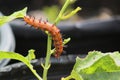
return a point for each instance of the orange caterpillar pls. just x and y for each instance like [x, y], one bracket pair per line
[52, 29]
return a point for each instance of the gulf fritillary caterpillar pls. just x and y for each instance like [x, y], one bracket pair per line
[52, 29]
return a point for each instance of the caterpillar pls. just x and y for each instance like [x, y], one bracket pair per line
[51, 28]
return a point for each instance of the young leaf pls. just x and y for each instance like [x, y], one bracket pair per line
[17, 14]
[31, 55]
[66, 41]
[97, 65]
[70, 14]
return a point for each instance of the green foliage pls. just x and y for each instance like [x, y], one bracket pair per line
[26, 60]
[62, 14]
[49, 41]
[53, 11]
[66, 41]
[73, 12]
[17, 56]
[97, 65]
[17, 14]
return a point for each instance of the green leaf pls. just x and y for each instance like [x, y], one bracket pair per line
[25, 60]
[66, 41]
[17, 14]
[13, 55]
[97, 66]
[17, 56]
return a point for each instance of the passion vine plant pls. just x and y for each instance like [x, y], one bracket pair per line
[97, 65]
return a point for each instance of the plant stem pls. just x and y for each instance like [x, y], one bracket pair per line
[62, 11]
[71, 14]
[47, 59]
[35, 73]
[49, 41]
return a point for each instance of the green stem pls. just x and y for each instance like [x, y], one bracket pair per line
[48, 55]
[35, 73]
[71, 14]
[49, 41]
[62, 11]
